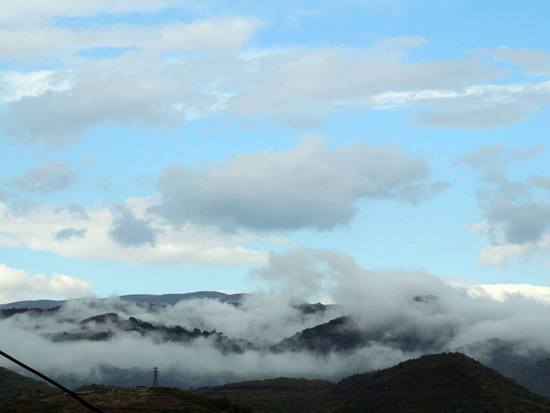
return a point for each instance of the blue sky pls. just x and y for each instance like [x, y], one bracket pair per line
[170, 146]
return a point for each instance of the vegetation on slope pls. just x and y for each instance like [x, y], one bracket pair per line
[448, 382]
[120, 400]
[13, 385]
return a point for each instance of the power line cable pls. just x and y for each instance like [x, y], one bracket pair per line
[53, 382]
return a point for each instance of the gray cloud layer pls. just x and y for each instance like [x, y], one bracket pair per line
[68, 233]
[523, 222]
[46, 178]
[311, 186]
[517, 212]
[130, 231]
[210, 70]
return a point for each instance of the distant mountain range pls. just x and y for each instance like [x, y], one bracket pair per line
[449, 382]
[166, 299]
[529, 368]
[339, 335]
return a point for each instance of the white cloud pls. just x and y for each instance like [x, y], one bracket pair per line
[500, 254]
[310, 186]
[17, 85]
[25, 10]
[488, 106]
[170, 73]
[15, 285]
[209, 70]
[166, 74]
[532, 61]
[45, 178]
[209, 216]
[472, 107]
[455, 312]
[502, 292]
[317, 80]
[38, 229]
[36, 43]
[516, 220]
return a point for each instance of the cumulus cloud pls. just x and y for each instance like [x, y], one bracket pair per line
[138, 88]
[59, 230]
[317, 80]
[121, 92]
[38, 43]
[501, 253]
[211, 215]
[15, 285]
[17, 85]
[45, 178]
[517, 212]
[210, 70]
[130, 231]
[522, 223]
[532, 61]
[311, 186]
[28, 10]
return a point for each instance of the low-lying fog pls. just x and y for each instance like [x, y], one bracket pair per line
[396, 302]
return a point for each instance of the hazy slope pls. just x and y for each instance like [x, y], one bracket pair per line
[13, 385]
[449, 382]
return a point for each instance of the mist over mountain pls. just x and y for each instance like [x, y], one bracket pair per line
[379, 319]
[446, 382]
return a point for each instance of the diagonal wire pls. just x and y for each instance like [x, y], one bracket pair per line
[56, 384]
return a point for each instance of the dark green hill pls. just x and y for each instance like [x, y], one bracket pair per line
[530, 367]
[450, 382]
[281, 395]
[13, 385]
[344, 334]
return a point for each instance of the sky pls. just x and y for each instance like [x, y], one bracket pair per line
[170, 146]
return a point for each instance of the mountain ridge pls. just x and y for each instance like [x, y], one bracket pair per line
[166, 299]
[444, 382]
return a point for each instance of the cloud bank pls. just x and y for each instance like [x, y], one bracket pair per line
[18, 285]
[398, 303]
[517, 212]
[163, 75]
[311, 186]
[215, 214]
